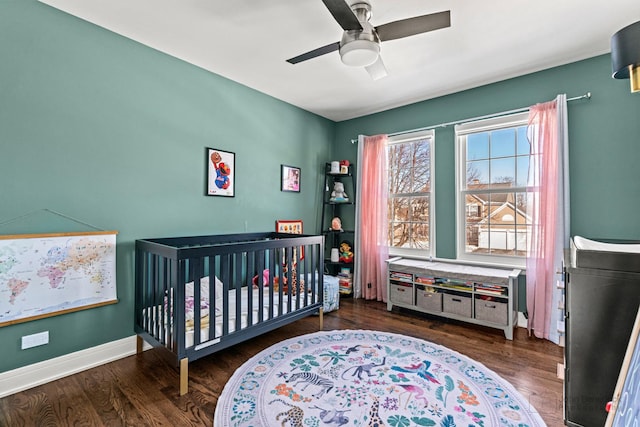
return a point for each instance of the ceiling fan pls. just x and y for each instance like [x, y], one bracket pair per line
[360, 44]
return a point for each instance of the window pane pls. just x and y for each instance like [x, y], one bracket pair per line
[477, 173]
[522, 171]
[502, 219]
[399, 168]
[494, 231]
[478, 146]
[420, 180]
[399, 234]
[503, 171]
[523, 238]
[420, 209]
[422, 153]
[399, 181]
[524, 147]
[503, 143]
[471, 239]
[477, 203]
[420, 236]
[422, 165]
[521, 205]
[400, 208]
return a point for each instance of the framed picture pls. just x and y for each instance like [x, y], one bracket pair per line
[221, 176]
[289, 226]
[290, 178]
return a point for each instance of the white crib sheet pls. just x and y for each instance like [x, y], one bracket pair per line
[217, 307]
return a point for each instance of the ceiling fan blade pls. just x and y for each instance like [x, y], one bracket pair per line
[377, 70]
[412, 26]
[343, 14]
[314, 53]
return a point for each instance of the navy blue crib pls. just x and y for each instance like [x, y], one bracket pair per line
[246, 284]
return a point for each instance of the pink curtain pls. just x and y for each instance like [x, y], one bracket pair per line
[372, 220]
[546, 210]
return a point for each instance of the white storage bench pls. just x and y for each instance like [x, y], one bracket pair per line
[480, 295]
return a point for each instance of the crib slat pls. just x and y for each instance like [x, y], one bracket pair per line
[164, 277]
[172, 279]
[259, 268]
[178, 309]
[225, 277]
[212, 297]
[237, 263]
[273, 255]
[153, 280]
[250, 261]
[196, 273]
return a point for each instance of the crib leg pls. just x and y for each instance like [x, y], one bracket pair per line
[184, 376]
[321, 315]
[139, 344]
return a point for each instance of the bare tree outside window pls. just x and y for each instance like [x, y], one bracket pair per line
[410, 185]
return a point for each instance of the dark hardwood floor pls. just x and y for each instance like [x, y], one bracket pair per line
[143, 390]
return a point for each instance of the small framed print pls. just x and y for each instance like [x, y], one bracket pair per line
[290, 178]
[289, 226]
[221, 176]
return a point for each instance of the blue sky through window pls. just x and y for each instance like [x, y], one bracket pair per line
[498, 156]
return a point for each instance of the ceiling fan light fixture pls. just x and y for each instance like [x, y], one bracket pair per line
[625, 55]
[359, 53]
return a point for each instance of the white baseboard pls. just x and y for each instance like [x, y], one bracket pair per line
[43, 372]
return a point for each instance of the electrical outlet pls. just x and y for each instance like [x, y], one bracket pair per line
[35, 340]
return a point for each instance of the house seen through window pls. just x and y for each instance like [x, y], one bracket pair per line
[410, 203]
[492, 173]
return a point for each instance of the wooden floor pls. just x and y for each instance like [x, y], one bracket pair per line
[143, 390]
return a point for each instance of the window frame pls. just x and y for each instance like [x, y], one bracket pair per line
[461, 132]
[408, 138]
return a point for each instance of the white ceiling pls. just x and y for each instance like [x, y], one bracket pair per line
[248, 41]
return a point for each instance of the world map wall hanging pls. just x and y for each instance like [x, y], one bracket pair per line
[44, 275]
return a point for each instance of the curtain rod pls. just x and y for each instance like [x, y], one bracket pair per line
[488, 116]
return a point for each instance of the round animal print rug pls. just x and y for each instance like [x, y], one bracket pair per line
[368, 378]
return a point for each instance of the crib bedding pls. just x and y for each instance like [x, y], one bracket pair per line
[206, 308]
[218, 308]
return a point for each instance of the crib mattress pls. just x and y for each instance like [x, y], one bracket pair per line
[217, 307]
[205, 322]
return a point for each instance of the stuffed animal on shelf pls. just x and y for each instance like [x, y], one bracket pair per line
[346, 255]
[336, 224]
[338, 194]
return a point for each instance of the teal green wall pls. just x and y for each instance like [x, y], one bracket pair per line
[604, 144]
[113, 133]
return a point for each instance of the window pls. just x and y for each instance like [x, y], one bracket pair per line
[492, 172]
[410, 213]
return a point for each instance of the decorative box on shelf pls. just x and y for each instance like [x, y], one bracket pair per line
[480, 295]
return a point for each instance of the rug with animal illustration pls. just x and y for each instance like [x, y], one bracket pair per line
[368, 378]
